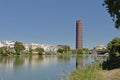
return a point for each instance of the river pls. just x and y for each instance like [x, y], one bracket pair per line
[46, 67]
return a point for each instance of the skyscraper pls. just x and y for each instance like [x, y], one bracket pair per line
[79, 37]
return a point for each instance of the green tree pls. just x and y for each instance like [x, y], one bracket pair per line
[30, 50]
[73, 51]
[113, 8]
[39, 50]
[66, 49]
[79, 51]
[114, 47]
[114, 55]
[3, 50]
[82, 50]
[85, 49]
[60, 50]
[18, 46]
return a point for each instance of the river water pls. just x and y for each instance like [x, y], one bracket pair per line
[46, 67]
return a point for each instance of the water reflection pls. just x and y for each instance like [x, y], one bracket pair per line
[63, 58]
[83, 60]
[43, 67]
[35, 67]
[18, 61]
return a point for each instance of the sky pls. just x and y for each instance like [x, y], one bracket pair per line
[54, 22]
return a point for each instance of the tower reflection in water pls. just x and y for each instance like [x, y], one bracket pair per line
[84, 60]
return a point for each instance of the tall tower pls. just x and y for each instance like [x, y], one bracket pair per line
[79, 37]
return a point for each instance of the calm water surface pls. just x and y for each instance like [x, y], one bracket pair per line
[39, 67]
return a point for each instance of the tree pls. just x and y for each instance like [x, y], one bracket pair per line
[114, 47]
[82, 50]
[60, 50]
[79, 51]
[73, 51]
[66, 49]
[39, 50]
[114, 55]
[30, 50]
[113, 8]
[3, 50]
[18, 46]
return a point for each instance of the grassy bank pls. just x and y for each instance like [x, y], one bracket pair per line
[91, 72]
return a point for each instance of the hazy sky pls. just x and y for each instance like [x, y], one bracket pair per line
[54, 21]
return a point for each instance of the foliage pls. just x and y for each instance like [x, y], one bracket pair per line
[65, 49]
[39, 50]
[60, 50]
[18, 61]
[18, 46]
[86, 73]
[114, 55]
[114, 47]
[113, 8]
[111, 63]
[73, 51]
[6, 51]
[30, 50]
[79, 51]
[3, 50]
[82, 50]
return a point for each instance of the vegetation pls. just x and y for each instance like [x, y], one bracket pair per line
[30, 51]
[94, 72]
[65, 49]
[39, 50]
[114, 55]
[3, 50]
[19, 47]
[82, 51]
[73, 51]
[113, 8]
[60, 50]
[114, 47]
[91, 72]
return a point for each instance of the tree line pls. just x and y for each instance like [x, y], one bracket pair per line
[19, 49]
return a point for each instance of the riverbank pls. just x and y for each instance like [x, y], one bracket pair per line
[111, 74]
[94, 72]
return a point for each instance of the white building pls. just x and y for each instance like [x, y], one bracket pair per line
[100, 48]
[48, 47]
[27, 47]
[7, 44]
[34, 45]
[1, 45]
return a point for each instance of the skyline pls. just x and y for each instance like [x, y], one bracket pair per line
[54, 22]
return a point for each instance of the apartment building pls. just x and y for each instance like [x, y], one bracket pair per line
[7, 44]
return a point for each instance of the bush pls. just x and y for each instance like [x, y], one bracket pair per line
[90, 72]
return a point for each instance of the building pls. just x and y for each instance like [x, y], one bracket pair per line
[100, 48]
[27, 47]
[7, 44]
[34, 45]
[79, 36]
[48, 47]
